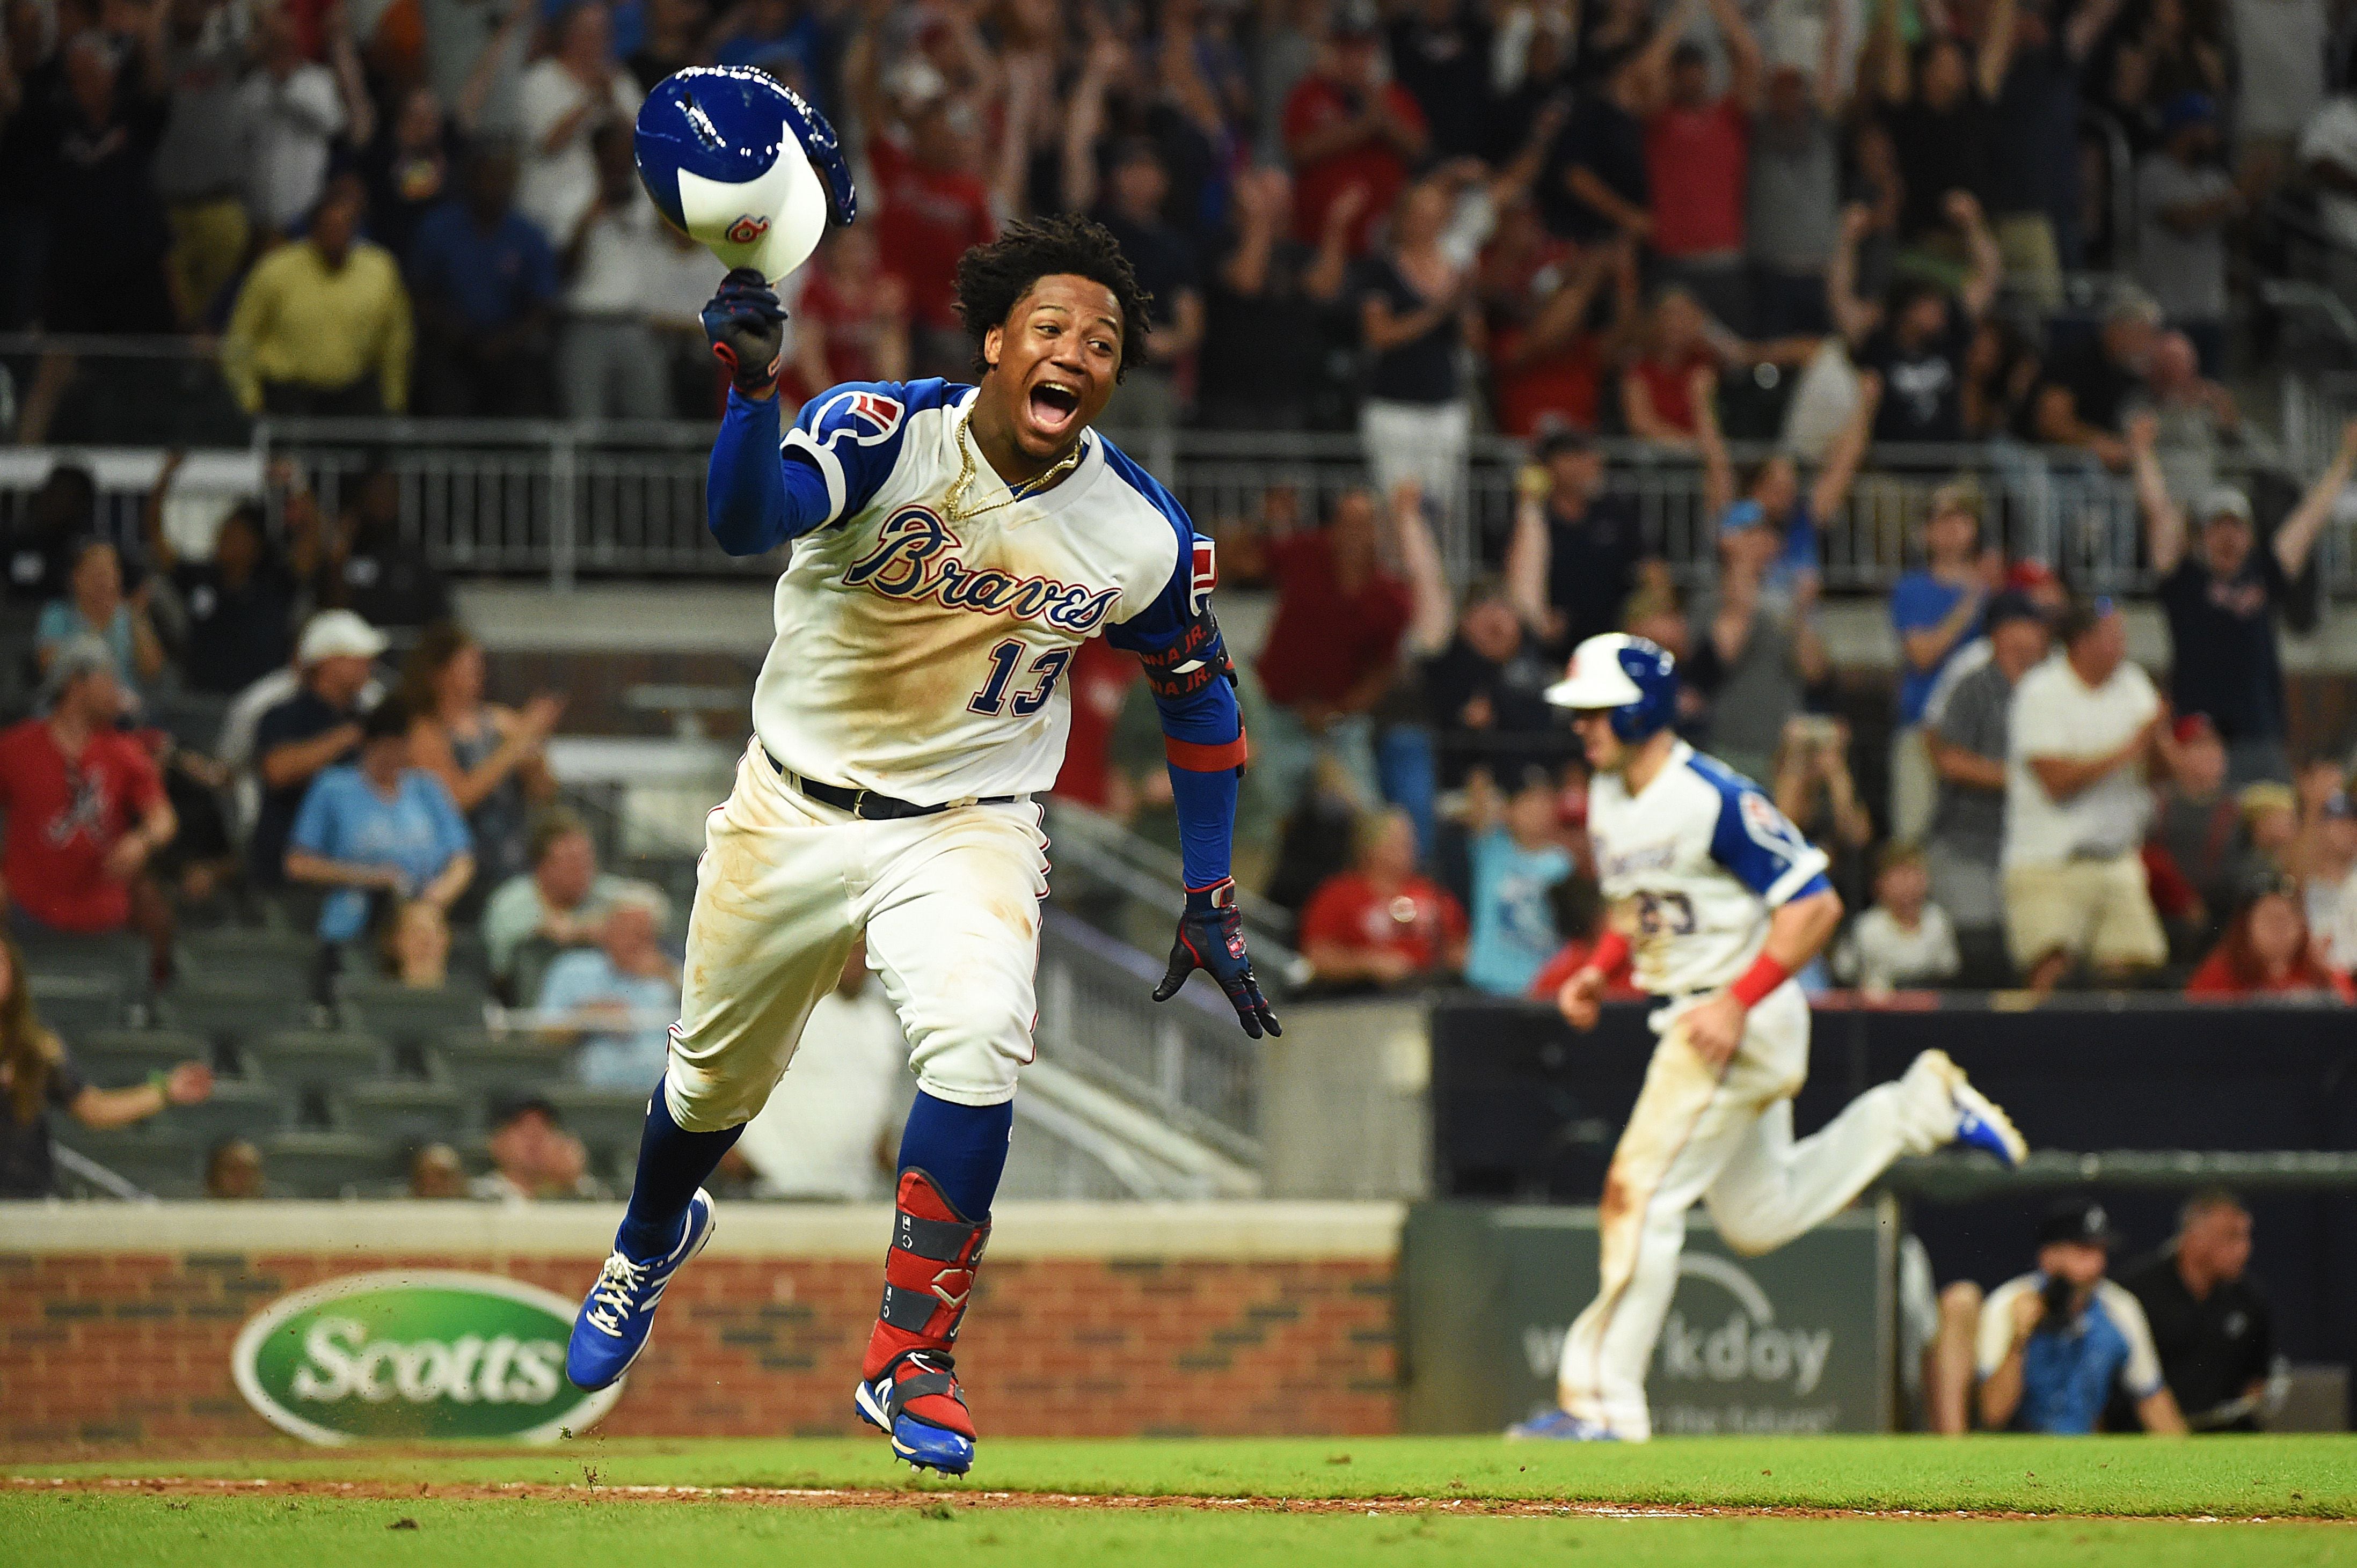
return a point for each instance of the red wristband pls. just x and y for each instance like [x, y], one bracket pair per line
[1764, 976]
[1610, 948]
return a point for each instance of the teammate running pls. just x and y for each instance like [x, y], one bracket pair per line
[954, 545]
[1722, 900]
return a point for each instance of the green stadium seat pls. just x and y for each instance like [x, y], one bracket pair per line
[116, 956]
[484, 1067]
[158, 1162]
[236, 1007]
[318, 1060]
[111, 1058]
[77, 1004]
[233, 953]
[607, 1120]
[313, 1164]
[403, 1110]
[237, 1109]
[408, 1017]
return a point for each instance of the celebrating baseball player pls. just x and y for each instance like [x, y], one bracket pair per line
[1722, 900]
[952, 547]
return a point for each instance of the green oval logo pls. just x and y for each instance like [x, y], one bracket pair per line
[414, 1353]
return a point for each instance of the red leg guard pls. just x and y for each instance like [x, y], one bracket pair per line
[927, 1280]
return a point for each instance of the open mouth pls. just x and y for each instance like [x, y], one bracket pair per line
[1053, 407]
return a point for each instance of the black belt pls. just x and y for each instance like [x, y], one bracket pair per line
[874, 805]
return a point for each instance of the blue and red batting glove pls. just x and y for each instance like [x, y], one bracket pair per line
[1211, 939]
[748, 328]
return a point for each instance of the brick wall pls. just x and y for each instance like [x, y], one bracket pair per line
[133, 1346]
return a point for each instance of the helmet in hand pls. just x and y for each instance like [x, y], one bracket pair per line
[737, 161]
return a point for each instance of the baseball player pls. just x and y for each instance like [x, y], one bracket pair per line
[1722, 900]
[952, 547]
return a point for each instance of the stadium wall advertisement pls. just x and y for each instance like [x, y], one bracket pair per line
[1796, 1341]
[183, 1324]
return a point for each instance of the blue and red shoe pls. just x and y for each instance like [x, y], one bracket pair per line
[907, 1384]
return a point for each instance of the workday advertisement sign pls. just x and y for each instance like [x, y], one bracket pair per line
[415, 1354]
[1793, 1341]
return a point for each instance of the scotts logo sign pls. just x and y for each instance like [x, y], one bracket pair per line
[415, 1354]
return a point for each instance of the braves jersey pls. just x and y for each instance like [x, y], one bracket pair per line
[923, 656]
[1693, 864]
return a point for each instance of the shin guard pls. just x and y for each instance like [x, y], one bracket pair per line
[928, 1281]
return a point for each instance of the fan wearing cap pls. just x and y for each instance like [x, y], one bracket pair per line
[316, 728]
[1720, 900]
[1347, 126]
[2184, 203]
[2221, 591]
[1967, 746]
[85, 808]
[2053, 1343]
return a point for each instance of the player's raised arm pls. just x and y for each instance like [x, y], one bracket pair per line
[1188, 670]
[760, 492]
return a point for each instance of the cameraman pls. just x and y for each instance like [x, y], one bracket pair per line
[2054, 1343]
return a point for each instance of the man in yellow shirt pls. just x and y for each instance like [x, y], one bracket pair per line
[322, 324]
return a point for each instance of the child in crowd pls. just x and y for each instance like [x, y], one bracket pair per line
[1518, 854]
[1905, 940]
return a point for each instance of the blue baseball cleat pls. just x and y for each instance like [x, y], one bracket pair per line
[1980, 1124]
[883, 1401]
[1560, 1426]
[611, 1327]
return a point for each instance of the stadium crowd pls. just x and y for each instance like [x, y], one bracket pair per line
[1861, 232]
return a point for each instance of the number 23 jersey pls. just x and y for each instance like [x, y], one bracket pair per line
[1693, 864]
[924, 656]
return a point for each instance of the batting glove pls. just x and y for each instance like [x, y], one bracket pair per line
[1211, 939]
[748, 328]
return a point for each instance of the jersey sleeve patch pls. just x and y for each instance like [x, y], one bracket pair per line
[1762, 848]
[852, 434]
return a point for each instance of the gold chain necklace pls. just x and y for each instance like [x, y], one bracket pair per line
[954, 504]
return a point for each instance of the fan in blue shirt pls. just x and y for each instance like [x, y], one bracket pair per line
[379, 826]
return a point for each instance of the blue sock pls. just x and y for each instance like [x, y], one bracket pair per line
[962, 1147]
[672, 1162]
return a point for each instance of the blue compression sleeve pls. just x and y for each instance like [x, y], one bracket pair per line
[1207, 821]
[755, 498]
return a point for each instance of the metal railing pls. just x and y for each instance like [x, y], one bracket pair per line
[565, 501]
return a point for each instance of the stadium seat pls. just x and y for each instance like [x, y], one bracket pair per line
[116, 956]
[312, 1164]
[77, 1004]
[314, 1059]
[238, 1006]
[607, 1120]
[113, 1058]
[485, 1066]
[403, 1110]
[408, 1017]
[239, 952]
[237, 1109]
[160, 1164]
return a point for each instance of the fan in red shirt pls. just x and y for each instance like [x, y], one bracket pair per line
[1346, 125]
[931, 207]
[851, 321]
[1538, 293]
[1657, 390]
[1333, 647]
[85, 808]
[1381, 922]
[2266, 953]
[1698, 153]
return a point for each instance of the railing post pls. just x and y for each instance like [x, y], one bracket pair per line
[563, 490]
[1170, 1063]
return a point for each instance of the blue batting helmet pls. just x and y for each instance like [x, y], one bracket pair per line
[736, 160]
[1630, 678]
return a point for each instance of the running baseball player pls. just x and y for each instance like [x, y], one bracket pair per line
[1722, 900]
[952, 547]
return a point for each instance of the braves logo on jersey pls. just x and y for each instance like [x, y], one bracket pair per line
[916, 558]
[1203, 577]
[867, 417]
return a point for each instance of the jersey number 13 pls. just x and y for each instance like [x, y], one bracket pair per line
[993, 699]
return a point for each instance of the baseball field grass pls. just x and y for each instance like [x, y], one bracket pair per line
[1303, 1502]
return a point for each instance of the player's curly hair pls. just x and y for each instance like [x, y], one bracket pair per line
[992, 279]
